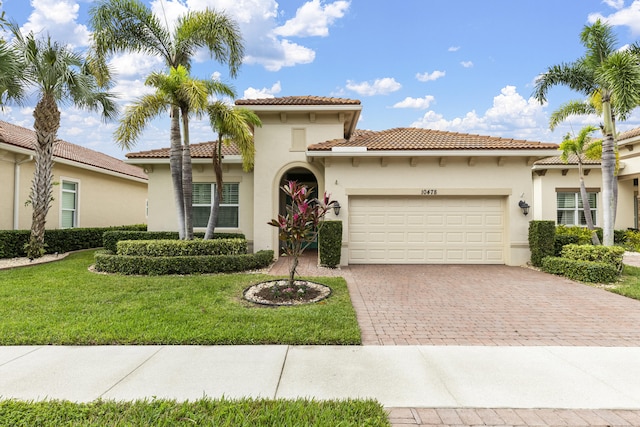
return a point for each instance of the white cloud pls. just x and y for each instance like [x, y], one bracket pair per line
[313, 19]
[128, 91]
[627, 16]
[57, 18]
[510, 115]
[427, 77]
[382, 86]
[454, 48]
[418, 103]
[280, 54]
[135, 64]
[253, 93]
[467, 64]
[616, 4]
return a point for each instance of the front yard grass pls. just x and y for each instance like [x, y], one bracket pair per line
[63, 303]
[629, 284]
[204, 412]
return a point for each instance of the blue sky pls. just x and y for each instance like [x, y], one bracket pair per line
[464, 66]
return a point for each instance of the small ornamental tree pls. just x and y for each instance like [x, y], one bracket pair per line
[299, 227]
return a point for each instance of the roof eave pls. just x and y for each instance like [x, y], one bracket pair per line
[233, 158]
[435, 153]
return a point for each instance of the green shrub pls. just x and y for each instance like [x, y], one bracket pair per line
[144, 265]
[564, 239]
[584, 271]
[603, 254]
[330, 243]
[111, 238]
[169, 248]
[631, 240]
[582, 233]
[541, 240]
[58, 240]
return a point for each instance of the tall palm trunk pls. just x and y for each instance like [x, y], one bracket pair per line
[608, 173]
[47, 122]
[187, 178]
[587, 208]
[217, 197]
[175, 164]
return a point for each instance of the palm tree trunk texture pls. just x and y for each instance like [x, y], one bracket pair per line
[175, 164]
[187, 179]
[215, 205]
[608, 174]
[47, 122]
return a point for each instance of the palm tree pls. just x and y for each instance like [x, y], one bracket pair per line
[129, 25]
[234, 126]
[582, 146]
[182, 95]
[613, 77]
[58, 75]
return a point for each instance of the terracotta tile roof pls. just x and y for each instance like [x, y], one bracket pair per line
[428, 139]
[572, 160]
[629, 134]
[201, 150]
[299, 100]
[25, 138]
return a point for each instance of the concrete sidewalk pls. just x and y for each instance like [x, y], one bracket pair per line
[397, 376]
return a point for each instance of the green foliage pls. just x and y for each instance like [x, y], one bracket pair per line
[174, 248]
[12, 242]
[111, 238]
[162, 265]
[629, 284]
[564, 239]
[631, 240]
[584, 271]
[330, 243]
[246, 412]
[541, 240]
[611, 255]
[582, 233]
[63, 303]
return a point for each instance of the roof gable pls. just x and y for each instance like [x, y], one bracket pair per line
[25, 138]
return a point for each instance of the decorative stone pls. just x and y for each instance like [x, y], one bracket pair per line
[279, 293]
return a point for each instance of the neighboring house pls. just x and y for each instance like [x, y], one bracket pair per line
[407, 195]
[92, 189]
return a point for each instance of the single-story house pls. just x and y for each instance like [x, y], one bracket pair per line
[91, 189]
[407, 195]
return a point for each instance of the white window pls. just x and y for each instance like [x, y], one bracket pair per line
[570, 209]
[203, 198]
[69, 204]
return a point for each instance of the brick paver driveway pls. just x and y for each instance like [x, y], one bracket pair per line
[486, 305]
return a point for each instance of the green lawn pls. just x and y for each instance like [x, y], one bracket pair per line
[204, 412]
[629, 284]
[64, 303]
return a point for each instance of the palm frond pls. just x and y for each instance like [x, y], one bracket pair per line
[136, 117]
[570, 108]
[575, 76]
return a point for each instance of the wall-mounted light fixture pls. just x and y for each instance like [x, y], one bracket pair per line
[524, 206]
[336, 208]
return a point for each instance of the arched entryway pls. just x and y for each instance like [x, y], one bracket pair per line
[302, 176]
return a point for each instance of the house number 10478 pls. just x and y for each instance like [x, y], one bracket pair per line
[428, 192]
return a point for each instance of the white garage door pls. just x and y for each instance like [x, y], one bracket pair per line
[419, 230]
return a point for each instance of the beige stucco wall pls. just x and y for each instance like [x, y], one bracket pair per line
[456, 177]
[162, 210]
[103, 200]
[275, 156]
[545, 204]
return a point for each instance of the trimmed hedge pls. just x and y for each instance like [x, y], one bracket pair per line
[111, 238]
[611, 255]
[142, 265]
[330, 243]
[156, 248]
[584, 271]
[541, 240]
[564, 239]
[59, 240]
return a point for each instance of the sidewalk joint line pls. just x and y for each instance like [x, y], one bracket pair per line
[21, 356]
[131, 372]
[284, 361]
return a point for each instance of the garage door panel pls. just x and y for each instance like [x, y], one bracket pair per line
[426, 230]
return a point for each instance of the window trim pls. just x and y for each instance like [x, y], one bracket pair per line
[236, 205]
[76, 217]
[577, 209]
